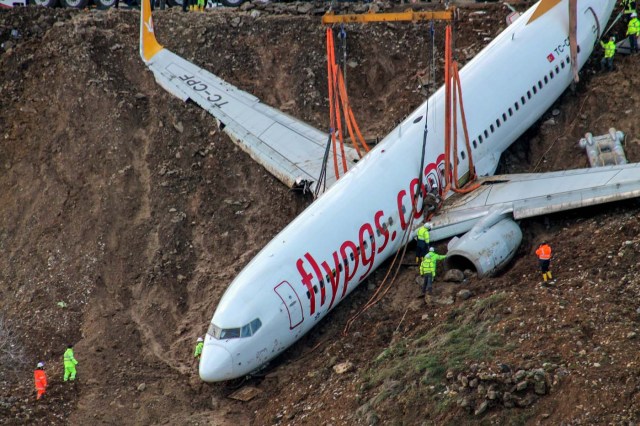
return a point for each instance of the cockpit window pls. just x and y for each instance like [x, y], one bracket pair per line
[255, 325]
[233, 333]
[230, 333]
[245, 331]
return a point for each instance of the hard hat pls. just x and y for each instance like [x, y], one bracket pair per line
[613, 38]
[200, 339]
[634, 15]
[40, 364]
[431, 249]
[427, 225]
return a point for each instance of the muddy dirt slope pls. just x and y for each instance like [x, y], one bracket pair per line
[124, 214]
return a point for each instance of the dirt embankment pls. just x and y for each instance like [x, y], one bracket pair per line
[125, 214]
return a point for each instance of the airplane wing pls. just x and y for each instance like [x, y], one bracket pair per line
[288, 148]
[534, 194]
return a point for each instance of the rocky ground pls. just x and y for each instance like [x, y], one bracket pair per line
[124, 214]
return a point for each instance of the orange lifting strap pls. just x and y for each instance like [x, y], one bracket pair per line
[453, 91]
[339, 102]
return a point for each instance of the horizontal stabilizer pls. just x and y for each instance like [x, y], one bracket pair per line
[288, 148]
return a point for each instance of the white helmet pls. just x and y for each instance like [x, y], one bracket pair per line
[431, 249]
[40, 364]
[200, 339]
[427, 225]
[634, 15]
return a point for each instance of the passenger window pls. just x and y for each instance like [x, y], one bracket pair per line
[517, 106]
[486, 134]
[511, 111]
[378, 232]
[255, 325]
[480, 138]
[404, 209]
[493, 129]
[346, 261]
[315, 289]
[462, 154]
[475, 145]
[308, 295]
[504, 116]
[550, 74]
[540, 83]
[562, 64]
[364, 245]
[340, 267]
[529, 94]
[498, 122]
[557, 70]
[371, 238]
[322, 282]
[523, 100]
[534, 90]
[352, 256]
[384, 225]
[390, 221]
[246, 331]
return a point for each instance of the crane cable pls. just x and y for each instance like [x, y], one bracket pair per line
[384, 287]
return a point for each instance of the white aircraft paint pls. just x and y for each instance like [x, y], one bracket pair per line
[320, 257]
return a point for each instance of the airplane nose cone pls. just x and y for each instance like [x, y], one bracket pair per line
[216, 364]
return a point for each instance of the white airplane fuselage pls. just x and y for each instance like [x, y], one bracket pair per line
[320, 257]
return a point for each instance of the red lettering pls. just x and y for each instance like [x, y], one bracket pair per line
[403, 222]
[367, 228]
[348, 272]
[316, 269]
[378, 217]
[413, 188]
[306, 280]
[334, 278]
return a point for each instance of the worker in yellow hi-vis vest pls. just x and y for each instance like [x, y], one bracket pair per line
[633, 30]
[423, 239]
[69, 364]
[428, 269]
[609, 52]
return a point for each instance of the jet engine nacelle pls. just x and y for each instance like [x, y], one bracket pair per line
[487, 247]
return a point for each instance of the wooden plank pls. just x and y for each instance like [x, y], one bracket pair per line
[245, 394]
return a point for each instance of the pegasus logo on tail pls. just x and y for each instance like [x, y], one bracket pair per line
[149, 25]
[148, 44]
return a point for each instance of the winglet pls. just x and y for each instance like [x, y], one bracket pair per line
[543, 7]
[149, 46]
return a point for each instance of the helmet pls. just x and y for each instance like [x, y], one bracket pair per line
[613, 38]
[40, 364]
[634, 15]
[427, 225]
[200, 339]
[431, 249]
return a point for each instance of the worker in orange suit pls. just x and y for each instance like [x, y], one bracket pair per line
[40, 378]
[544, 259]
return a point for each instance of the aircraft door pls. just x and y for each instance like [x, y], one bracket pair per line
[292, 302]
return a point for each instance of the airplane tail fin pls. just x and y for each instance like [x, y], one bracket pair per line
[149, 46]
[543, 7]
